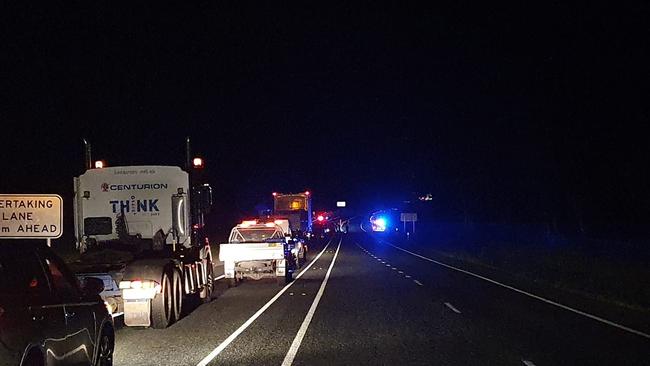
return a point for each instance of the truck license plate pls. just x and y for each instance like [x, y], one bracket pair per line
[136, 313]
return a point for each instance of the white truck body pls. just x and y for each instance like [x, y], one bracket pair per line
[147, 207]
[142, 193]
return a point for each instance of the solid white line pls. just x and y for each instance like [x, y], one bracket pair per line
[579, 312]
[418, 282]
[295, 345]
[450, 306]
[215, 352]
[528, 363]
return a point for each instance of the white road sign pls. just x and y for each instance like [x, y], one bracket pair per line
[408, 217]
[36, 216]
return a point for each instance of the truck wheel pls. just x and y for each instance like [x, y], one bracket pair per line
[162, 305]
[177, 287]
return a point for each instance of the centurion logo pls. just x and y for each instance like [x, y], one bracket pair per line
[131, 187]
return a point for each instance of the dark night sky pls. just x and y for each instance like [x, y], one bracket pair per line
[514, 113]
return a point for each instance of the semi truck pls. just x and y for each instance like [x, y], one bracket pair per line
[296, 207]
[261, 249]
[141, 230]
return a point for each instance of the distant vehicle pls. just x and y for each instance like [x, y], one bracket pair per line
[323, 225]
[378, 223]
[46, 316]
[257, 249]
[296, 207]
[141, 230]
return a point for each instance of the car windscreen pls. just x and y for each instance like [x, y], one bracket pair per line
[257, 235]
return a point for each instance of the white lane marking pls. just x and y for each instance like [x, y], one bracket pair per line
[393, 268]
[418, 282]
[551, 302]
[387, 265]
[528, 363]
[295, 345]
[407, 276]
[219, 277]
[450, 306]
[400, 272]
[215, 352]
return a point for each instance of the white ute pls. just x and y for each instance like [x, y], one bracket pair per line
[256, 250]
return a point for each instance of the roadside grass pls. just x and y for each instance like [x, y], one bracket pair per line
[620, 282]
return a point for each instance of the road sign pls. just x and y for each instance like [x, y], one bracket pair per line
[340, 203]
[408, 217]
[35, 216]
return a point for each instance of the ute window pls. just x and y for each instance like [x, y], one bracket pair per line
[255, 235]
[21, 273]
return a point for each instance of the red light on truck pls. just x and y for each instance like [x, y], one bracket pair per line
[275, 194]
[198, 163]
[320, 218]
[307, 193]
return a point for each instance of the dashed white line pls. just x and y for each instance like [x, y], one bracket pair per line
[450, 306]
[551, 302]
[295, 345]
[528, 363]
[407, 276]
[215, 352]
[418, 282]
[400, 272]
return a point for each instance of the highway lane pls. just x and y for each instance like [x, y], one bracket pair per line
[365, 302]
[540, 332]
[191, 339]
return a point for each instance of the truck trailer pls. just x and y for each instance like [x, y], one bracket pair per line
[141, 230]
[296, 207]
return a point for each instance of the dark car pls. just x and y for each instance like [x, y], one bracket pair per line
[46, 316]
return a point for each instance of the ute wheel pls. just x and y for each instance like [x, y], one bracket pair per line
[162, 306]
[177, 289]
[206, 293]
[233, 282]
[105, 349]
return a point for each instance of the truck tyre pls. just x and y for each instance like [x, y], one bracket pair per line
[162, 305]
[177, 289]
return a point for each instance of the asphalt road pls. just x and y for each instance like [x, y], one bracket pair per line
[366, 302]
